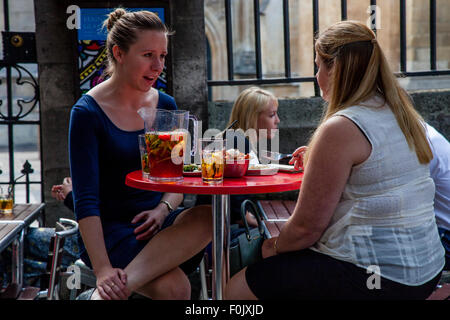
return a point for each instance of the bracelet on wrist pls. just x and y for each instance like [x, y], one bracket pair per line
[275, 246]
[169, 206]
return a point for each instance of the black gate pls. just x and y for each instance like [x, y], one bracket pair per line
[20, 125]
[288, 77]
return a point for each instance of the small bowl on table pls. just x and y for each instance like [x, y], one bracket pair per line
[236, 168]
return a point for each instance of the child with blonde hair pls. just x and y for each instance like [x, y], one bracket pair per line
[255, 110]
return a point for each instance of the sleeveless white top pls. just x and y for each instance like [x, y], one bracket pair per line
[385, 216]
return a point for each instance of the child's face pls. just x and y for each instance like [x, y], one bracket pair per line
[268, 120]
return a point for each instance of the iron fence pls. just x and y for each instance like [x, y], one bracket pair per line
[19, 50]
[288, 78]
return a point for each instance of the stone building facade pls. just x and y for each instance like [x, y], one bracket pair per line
[301, 40]
[198, 21]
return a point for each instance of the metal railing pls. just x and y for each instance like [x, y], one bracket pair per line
[18, 49]
[288, 78]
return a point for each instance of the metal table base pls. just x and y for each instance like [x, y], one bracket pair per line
[17, 246]
[220, 245]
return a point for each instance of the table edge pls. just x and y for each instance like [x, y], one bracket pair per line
[139, 184]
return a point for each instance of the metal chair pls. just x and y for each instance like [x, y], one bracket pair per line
[203, 279]
[87, 276]
[54, 258]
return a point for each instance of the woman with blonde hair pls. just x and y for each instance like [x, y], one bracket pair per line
[135, 240]
[363, 226]
[256, 112]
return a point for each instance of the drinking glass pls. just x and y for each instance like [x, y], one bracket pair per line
[144, 156]
[212, 152]
[6, 201]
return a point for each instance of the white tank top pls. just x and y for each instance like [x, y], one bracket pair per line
[385, 216]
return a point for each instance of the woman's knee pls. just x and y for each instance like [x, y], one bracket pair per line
[173, 285]
[205, 215]
[180, 288]
[201, 216]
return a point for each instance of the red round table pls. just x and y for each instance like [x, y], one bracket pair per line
[220, 205]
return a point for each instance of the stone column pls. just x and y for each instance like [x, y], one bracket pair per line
[188, 51]
[57, 75]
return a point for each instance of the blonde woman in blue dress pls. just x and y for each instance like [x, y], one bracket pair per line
[134, 240]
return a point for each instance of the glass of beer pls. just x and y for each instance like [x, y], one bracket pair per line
[212, 152]
[144, 156]
[165, 155]
[6, 201]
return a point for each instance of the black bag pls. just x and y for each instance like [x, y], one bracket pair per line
[246, 248]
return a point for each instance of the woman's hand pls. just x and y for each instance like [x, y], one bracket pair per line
[297, 157]
[153, 220]
[268, 248]
[111, 284]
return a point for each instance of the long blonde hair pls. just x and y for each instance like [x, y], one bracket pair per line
[358, 69]
[248, 106]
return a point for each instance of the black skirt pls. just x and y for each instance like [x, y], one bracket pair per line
[310, 275]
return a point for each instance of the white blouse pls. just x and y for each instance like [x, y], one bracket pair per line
[385, 216]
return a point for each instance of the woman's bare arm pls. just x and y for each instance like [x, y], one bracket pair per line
[111, 282]
[339, 146]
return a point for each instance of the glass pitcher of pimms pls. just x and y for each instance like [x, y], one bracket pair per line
[168, 141]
